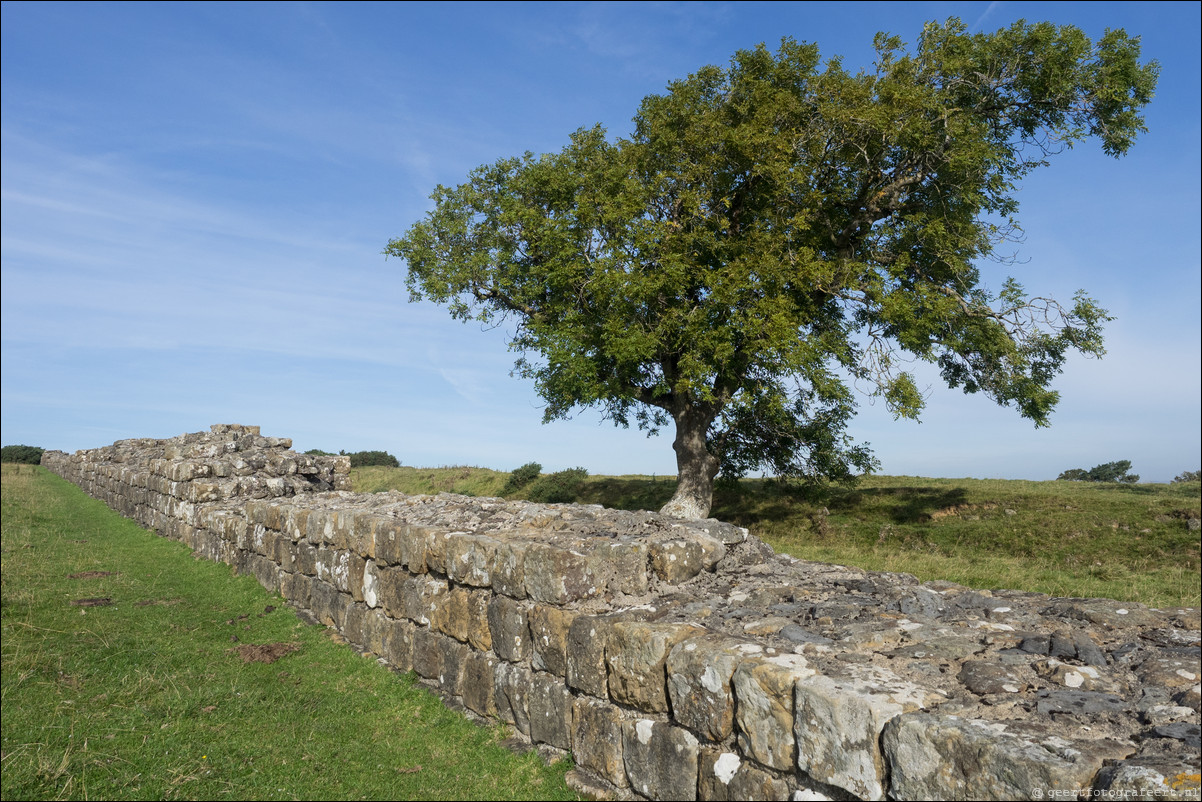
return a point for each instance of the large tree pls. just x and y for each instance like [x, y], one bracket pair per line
[776, 231]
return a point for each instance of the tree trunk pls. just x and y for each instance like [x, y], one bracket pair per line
[696, 467]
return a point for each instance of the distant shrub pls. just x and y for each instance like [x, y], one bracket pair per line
[362, 459]
[29, 455]
[560, 487]
[1188, 476]
[317, 452]
[520, 477]
[1107, 472]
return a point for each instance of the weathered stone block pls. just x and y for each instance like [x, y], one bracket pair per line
[838, 724]
[549, 628]
[427, 657]
[635, 656]
[558, 576]
[449, 613]
[295, 588]
[329, 606]
[508, 569]
[699, 683]
[478, 686]
[355, 565]
[509, 628]
[511, 685]
[550, 706]
[661, 761]
[399, 643]
[376, 630]
[434, 542]
[352, 629]
[470, 559]
[585, 651]
[419, 594]
[370, 592]
[723, 775]
[946, 757]
[764, 706]
[597, 739]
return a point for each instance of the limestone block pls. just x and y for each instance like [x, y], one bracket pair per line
[295, 588]
[558, 576]
[509, 628]
[597, 739]
[448, 614]
[947, 757]
[478, 683]
[295, 522]
[635, 655]
[319, 527]
[352, 629]
[1085, 678]
[508, 569]
[661, 760]
[391, 589]
[419, 595]
[376, 630]
[1166, 778]
[398, 643]
[328, 605]
[511, 686]
[549, 627]
[838, 724]
[479, 635]
[470, 559]
[681, 558]
[434, 544]
[355, 565]
[764, 706]
[427, 657]
[723, 775]
[550, 705]
[586, 669]
[699, 683]
[388, 541]
[370, 592]
[628, 561]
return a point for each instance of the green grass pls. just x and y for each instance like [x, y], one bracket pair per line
[144, 698]
[1126, 542]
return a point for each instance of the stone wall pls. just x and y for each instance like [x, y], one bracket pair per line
[683, 660]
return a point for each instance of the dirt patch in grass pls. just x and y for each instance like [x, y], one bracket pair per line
[264, 652]
[91, 574]
[105, 602]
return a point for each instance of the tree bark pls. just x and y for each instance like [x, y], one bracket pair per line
[696, 467]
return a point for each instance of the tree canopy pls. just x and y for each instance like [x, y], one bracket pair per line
[777, 232]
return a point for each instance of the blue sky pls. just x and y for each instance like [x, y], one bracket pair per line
[196, 196]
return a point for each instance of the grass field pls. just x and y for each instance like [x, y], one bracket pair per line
[1127, 542]
[123, 677]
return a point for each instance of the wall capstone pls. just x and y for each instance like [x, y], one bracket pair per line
[687, 660]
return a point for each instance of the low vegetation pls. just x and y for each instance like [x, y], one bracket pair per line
[1117, 540]
[132, 671]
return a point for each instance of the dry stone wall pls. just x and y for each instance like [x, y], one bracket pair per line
[683, 660]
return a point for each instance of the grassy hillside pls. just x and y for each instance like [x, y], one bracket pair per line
[1128, 542]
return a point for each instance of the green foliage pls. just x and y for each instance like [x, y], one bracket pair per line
[363, 459]
[317, 452]
[29, 455]
[1187, 476]
[520, 477]
[561, 487]
[773, 227]
[1118, 471]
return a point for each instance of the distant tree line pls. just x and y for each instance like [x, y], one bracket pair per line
[1118, 471]
[361, 459]
[29, 455]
